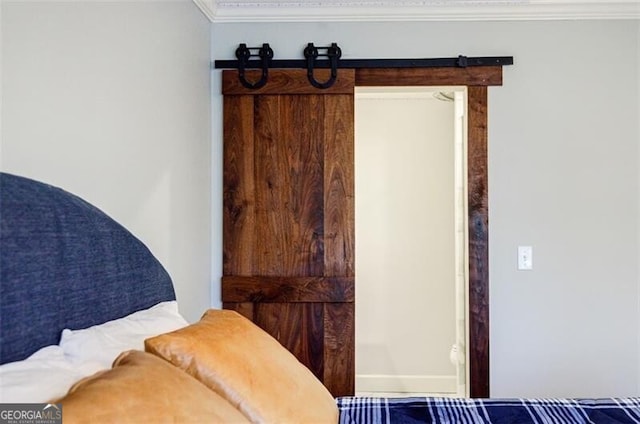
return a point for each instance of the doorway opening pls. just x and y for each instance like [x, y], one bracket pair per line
[411, 231]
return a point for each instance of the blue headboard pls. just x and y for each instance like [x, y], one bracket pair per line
[65, 264]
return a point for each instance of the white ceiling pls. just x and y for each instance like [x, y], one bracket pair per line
[414, 10]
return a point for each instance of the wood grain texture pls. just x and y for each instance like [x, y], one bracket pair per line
[474, 75]
[288, 82]
[288, 182]
[245, 309]
[302, 132]
[287, 289]
[269, 244]
[298, 327]
[339, 348]
[478, 243]
[339, 186]
[238, 196]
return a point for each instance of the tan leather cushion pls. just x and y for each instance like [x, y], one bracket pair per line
[142, 388]
[249, 368]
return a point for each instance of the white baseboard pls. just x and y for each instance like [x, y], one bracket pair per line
[406, 383]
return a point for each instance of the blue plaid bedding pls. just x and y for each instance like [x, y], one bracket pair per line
[364, 410]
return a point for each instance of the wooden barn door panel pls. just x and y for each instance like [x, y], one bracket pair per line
[289, 217]
[289, 211]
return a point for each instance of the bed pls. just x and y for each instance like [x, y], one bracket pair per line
[89, 323]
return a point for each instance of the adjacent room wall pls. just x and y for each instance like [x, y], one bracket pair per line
[405, 233]
[111, 101]
[563, 178]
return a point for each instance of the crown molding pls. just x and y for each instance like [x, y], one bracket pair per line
[208, 7]
[414, 10]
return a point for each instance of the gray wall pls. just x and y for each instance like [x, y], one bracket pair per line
[563, 175]
[111, 101]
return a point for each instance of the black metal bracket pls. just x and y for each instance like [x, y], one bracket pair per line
[311, 53]
[331, 59]
[243, 53]
[452, 62]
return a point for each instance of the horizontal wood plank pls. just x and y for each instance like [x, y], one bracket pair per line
[475, 75]
[288, 82]
[237, 289]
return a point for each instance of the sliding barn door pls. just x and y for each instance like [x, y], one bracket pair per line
[289, 216]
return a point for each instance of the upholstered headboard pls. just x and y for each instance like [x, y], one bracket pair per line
[65, 264]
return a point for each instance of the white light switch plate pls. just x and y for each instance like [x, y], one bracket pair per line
[525, 258]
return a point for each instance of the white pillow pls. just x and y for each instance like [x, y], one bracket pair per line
[104, 342]
[45, 375]
[51, 371]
